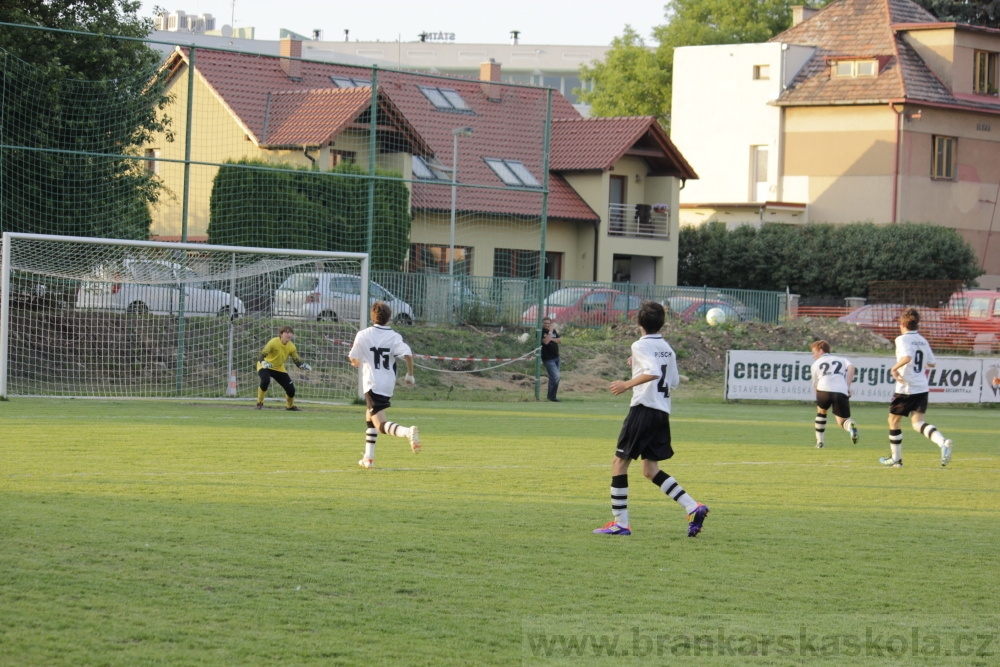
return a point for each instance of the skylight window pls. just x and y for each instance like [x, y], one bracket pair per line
[513, 172]
[350, 82]
[446, 99]
[428, 170]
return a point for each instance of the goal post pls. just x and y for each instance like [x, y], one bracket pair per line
[108, 318]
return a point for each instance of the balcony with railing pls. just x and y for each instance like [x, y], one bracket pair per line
[639, 221]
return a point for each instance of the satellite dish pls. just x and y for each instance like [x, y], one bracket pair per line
[227, 30]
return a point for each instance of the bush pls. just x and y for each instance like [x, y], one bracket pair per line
[268, 205]
[823, 259]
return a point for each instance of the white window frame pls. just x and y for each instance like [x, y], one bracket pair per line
[445, 99]
[512, 172]
[427, 170]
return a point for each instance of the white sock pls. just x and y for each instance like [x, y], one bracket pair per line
[370, 436]
[820, 423]
[896, 444]
[619, 500]
[392, 428]
[930, 432]
[848, 424]
[675, 491]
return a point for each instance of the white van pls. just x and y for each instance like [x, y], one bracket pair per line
[144, 286]
[333, 297]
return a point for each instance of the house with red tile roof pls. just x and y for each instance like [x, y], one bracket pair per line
[865, 110]
[607, 192]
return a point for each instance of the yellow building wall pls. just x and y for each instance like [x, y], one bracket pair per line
[937, 49]
[594, 188]
[218, 137]
[968, 203]
[846, 155]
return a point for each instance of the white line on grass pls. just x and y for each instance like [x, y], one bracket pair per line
[849, 463]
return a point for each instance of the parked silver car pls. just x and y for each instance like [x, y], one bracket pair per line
[333, 297]
[144, 286]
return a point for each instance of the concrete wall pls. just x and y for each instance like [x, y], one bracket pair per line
[719, 111]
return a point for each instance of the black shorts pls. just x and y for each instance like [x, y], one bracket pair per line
[645, 433]
[840, 402]
[904, 404]
[376, 402]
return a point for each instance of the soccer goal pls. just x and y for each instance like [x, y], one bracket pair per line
[86, 317]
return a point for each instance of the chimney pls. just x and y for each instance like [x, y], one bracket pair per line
[490, 72]
[291, 48]
[802, 13]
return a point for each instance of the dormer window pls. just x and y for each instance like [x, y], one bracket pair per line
[853, 69]
[513, 172]
[446, 99]
[984, 73]
[350, 82]
[428, 170]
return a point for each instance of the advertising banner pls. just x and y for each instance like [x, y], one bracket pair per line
[764, 375]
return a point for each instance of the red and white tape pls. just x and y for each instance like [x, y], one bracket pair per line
[429, 356]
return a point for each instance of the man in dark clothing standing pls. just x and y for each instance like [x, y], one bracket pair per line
[550, 356]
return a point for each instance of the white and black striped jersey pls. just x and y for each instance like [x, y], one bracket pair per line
[829, 373]
[377, 348]
[651, 355]
[913, 345]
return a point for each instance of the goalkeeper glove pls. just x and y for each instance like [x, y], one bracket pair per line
[410, 380]
[266, 364]
[306, 367]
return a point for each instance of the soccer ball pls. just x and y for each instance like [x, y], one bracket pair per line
[715, 316]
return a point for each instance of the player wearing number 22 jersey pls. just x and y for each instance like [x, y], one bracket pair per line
[831, 377]
[646, 430]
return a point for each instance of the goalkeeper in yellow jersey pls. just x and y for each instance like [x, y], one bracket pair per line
[271, 365]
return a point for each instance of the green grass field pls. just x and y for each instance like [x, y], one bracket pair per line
[136, 532]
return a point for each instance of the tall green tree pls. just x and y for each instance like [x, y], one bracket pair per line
[631, 81]
[974, 12]
[76, 111]
[634, 80]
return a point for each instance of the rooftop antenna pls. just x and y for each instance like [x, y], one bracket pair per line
[423, 36]
[514, 34]
[346, 33]
[232, 13]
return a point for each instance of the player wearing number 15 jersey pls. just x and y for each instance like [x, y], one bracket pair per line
[646, 430]
[375, 350]
[832, 377]
[914, 359]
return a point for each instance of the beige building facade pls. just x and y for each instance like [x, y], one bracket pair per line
[892, 117]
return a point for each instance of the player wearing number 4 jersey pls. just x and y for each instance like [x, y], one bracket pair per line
[832, 377]
[646, 430]
[914, 359]
[375, 350]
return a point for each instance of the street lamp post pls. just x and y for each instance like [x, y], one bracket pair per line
[456, 133]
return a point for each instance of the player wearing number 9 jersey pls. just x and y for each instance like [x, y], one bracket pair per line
[646, 430]
[914, 359]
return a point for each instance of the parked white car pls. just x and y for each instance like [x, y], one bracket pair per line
[333, 297]
[144, 286]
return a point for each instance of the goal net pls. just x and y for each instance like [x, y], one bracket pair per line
[88, 317]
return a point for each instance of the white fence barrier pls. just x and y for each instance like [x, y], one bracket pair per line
[761, 375]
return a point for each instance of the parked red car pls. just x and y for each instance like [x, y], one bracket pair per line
[586, 306]
[691, 308]
[977, 310]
